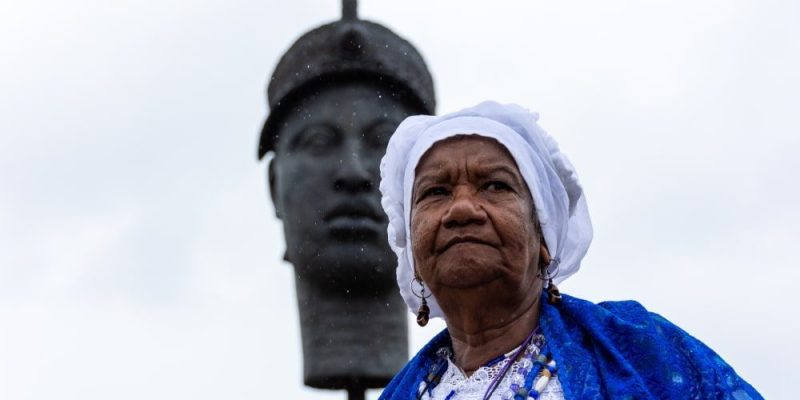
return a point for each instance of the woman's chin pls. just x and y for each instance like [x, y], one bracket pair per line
[466, 276]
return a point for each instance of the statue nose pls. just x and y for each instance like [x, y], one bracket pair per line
[352, 175]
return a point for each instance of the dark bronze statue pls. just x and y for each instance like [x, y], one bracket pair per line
[335, 98]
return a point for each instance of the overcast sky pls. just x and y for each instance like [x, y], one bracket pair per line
[140, 256]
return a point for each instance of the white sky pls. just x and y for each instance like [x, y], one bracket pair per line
[139, 255]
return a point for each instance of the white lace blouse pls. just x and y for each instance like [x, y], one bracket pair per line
[455, 385]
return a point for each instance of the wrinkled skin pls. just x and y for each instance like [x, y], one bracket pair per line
[324, 184]
[476, 245]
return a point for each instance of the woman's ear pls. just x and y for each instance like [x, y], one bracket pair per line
[544, 255]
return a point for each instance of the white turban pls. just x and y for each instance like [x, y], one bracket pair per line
[551, 179]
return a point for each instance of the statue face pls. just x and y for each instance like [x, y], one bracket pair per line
[324, 183]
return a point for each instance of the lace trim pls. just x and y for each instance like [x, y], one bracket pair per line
[474, 386]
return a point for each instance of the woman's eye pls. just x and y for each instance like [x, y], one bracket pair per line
[434, 192]
[497, 186]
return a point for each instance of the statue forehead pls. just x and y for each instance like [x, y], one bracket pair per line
[369, 97]
[353, 104]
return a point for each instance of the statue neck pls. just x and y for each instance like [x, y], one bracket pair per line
[351, 340]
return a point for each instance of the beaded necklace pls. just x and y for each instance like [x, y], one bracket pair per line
[536, 369]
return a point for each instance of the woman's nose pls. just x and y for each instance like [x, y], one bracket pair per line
[464, 210]
[352, 174]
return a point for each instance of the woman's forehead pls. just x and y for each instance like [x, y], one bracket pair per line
[476, 151]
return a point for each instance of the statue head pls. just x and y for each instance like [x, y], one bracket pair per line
[324, 184]
[335, 98]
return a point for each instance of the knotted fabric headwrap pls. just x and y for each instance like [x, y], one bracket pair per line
[551, 179]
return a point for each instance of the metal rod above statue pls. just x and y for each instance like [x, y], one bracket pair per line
[349, 9]
[335, 98]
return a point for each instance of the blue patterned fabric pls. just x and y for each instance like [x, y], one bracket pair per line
[611, 350]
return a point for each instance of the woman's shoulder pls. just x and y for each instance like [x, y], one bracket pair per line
[624, 317]
[623, 309]
[626, 321]
[625, 336]
[617, 314]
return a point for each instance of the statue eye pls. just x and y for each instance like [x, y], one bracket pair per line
[378, 135]
[316, 138]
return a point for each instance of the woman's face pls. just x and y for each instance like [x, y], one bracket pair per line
[472, 220]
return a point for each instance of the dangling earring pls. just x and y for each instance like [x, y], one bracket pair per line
[553, 295]
[424, 312]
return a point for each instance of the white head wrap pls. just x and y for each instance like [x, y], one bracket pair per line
[551, 179]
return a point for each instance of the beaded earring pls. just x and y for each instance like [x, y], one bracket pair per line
[553, 295]
[424, 312]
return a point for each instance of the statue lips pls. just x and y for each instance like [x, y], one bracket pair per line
[354, 219]
[463, 239]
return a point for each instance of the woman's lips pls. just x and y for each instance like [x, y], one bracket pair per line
[463, 240]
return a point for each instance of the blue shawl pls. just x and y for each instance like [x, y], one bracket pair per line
[611, 350]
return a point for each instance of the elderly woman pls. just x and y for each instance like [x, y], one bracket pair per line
[485, 215]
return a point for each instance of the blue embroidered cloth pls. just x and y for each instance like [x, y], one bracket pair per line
[611, 350]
